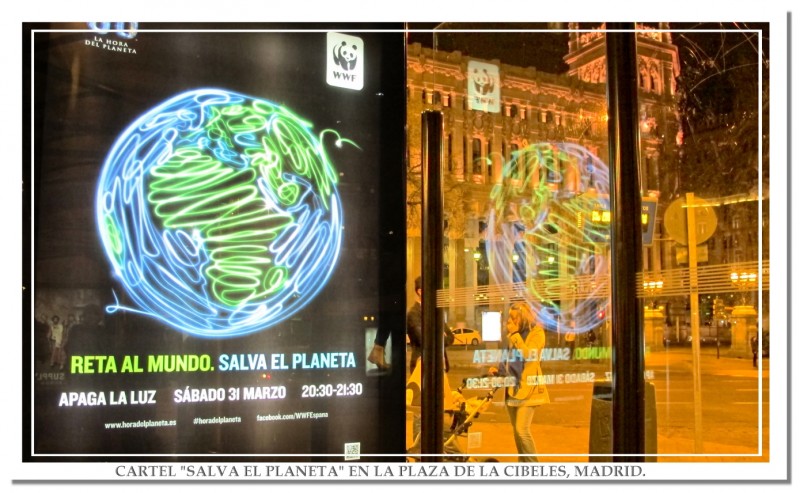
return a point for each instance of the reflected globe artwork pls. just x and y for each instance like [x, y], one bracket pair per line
[548, 230]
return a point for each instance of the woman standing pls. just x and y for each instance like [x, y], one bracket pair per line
[528, 337]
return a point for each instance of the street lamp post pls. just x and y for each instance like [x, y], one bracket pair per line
[652, 288]
[744, 282]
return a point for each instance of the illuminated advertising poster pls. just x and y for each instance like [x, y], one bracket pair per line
[215, 243]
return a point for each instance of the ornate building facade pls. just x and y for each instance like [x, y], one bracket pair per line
[534, 108]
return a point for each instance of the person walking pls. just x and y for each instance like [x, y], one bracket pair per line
[414, 332]
[754, 349]
[377, 356]
[414, 325]
[591, 339]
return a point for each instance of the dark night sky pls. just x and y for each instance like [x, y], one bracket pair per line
[542, 50]
[545, 50]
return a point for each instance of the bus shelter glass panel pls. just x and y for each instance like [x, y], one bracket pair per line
[525, 231]
[703, 112]
[527, 221]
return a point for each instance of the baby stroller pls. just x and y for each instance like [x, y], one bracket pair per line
[459, 411]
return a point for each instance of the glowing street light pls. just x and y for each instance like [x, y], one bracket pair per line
[652, 288]
[744, 281]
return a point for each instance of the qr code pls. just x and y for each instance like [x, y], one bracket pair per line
[352, 451]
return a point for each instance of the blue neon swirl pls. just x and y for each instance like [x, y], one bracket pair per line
[219, 213]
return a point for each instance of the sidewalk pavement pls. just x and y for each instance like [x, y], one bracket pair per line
[491, 437]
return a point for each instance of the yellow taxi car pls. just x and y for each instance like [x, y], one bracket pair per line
[466, 337]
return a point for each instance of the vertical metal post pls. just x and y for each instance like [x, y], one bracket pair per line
[628, 411]
[694, 303]
[432, 359]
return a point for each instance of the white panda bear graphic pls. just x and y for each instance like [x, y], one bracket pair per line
[345, 56]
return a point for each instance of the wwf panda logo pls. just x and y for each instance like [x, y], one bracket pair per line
[345, 56]
[483, 82]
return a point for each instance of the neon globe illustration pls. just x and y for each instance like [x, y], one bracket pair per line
[220, 213]
[547, 224]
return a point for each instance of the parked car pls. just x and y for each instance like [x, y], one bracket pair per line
[466, 337]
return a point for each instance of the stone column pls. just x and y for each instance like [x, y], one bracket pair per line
[654, 319]
[743, 327]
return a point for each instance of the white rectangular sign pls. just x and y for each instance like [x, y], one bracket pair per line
[483, 82]
[345, 61]
[491, 323]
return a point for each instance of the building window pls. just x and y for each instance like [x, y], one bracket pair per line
[477, 157]
[483, 263]
[518, 262]
[554, 171]
[514, 172]
[437, 98]
[450, 153]
[458, 164]
[490, 161]
[651, 165]
[655, 80]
